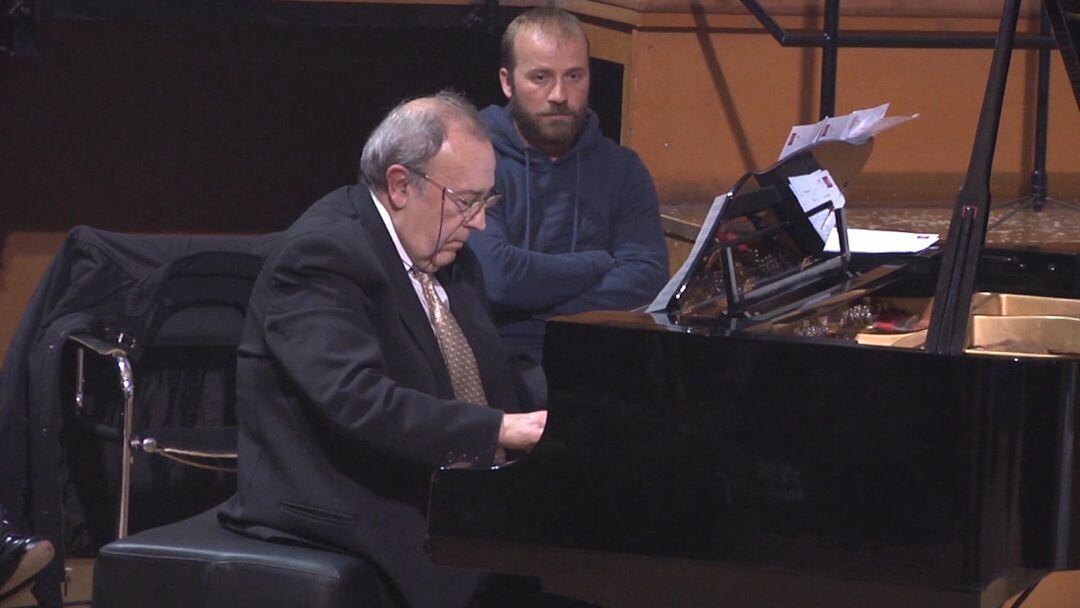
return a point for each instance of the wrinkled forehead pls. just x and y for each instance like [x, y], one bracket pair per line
[466, 162]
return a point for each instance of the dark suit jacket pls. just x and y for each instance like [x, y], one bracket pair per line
[345, 403]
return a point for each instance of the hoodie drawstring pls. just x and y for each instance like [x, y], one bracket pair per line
[577, 188]
[528, 201]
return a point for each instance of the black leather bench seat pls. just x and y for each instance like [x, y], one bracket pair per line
[197, 563]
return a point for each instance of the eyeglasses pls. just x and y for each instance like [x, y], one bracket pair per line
[468, 209]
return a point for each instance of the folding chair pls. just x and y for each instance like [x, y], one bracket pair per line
[106, 288]
[180, 325]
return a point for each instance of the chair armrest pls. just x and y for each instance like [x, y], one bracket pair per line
[200, 442]
[90, 343]
[99, 346]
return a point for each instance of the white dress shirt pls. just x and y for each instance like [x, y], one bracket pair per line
[407, 261]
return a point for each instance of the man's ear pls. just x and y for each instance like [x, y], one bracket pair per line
[397, 183]
[504, 81]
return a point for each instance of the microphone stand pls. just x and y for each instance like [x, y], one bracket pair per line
[1039, 196]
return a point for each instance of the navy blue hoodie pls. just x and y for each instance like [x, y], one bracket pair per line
[578, 233]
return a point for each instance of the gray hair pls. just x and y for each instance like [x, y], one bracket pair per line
[550, 21]
[414, 132]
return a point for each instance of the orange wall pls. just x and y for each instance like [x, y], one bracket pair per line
[24, 256]
[706, 104]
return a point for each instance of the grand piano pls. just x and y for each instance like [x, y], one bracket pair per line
[793, 427]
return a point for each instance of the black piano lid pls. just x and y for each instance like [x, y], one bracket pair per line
[967, 231]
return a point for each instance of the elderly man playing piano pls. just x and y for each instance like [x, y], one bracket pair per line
[368, 360]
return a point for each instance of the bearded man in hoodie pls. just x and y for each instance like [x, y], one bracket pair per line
[578, 227]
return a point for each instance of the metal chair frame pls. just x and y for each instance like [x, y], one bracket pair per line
[129, 440]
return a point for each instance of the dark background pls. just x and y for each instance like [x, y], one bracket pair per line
[223, 117]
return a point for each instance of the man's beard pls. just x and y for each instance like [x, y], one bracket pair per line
[548, 136]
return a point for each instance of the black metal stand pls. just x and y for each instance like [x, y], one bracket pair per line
[831, 38]
[1040, 189]
[829, 59]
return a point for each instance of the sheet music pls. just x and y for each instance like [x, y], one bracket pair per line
[856, 128]
[861, 240]
[819, 197]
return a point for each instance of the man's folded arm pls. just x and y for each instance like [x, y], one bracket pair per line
[530, 280]
[639, 251]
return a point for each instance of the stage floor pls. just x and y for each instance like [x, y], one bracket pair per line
[1056, 227]
[1059, 590]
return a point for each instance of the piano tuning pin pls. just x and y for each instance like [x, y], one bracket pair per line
[858, 315]
[812, 329]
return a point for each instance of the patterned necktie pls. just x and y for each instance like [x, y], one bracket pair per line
[460, 361]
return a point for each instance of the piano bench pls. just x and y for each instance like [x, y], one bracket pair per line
[196, 562]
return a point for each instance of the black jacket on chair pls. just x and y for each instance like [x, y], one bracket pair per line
[345, 403]
[97, 278]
